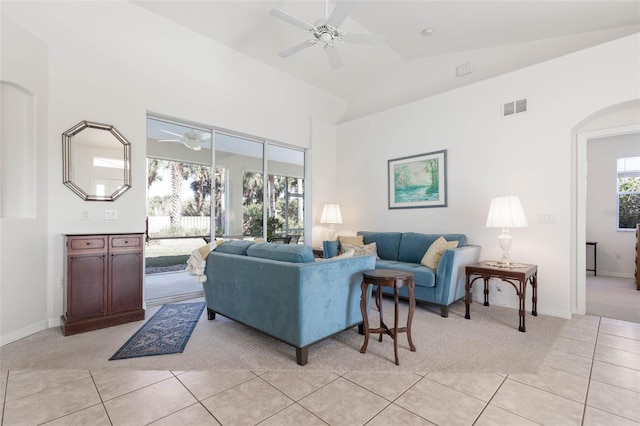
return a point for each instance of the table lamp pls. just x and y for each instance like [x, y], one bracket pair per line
[331, 215]
[505, 212]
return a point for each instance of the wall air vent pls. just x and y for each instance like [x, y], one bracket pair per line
[465, 69]
[514, 107]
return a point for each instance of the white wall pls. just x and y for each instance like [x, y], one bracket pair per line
[24, 291]
[529, 155]
[112, 62]
[602, 205]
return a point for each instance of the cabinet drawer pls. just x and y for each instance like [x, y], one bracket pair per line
[126, 242]
[91, 243]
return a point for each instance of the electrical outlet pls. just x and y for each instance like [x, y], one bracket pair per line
[85, 215]
[111, 215]
[61, 282]
[545, 218]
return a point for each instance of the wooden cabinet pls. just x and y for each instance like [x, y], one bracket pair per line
[103, 276]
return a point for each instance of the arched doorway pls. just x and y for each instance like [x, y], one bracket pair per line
[619, 119]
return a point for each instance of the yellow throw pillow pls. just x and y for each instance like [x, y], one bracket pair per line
[432, 257]
[356, 240]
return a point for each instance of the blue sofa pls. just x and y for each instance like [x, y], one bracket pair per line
[281, 290]
[404, 251]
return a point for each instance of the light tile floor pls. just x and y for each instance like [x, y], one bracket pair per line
[590, 377]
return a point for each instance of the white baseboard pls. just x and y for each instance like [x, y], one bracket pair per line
[54, 322]
[613, 274]
[24, 332]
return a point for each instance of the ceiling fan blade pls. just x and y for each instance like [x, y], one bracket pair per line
[340, 13]
[333, 56]
[193, 145]
[169, 140]
[205, 136]
[171, 133]
[297, 48]
[287, 17]
[363, 38]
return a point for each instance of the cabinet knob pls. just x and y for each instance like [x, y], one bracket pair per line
[88, 243]
[126, 242]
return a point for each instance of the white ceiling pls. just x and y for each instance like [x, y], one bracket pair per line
[495, 36]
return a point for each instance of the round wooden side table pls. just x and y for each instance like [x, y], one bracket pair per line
[387, 278]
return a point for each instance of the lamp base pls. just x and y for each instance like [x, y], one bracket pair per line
[331, 234]
[505, 244]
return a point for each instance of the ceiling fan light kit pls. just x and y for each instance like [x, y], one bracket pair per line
[190, 139]
[326, 31]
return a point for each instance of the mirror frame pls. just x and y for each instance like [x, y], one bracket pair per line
[67, 140]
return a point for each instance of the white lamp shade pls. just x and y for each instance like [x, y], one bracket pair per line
[331, 214]
[506, 212]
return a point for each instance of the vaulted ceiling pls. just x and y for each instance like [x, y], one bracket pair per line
[488, 37]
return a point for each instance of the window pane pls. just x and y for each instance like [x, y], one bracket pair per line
[629, 211]
[178, 179]
[220, 201]
[286, 191]
[242, 160]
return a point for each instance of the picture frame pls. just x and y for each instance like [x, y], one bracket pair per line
[418, 181]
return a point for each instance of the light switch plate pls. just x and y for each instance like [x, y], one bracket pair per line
[111, 215]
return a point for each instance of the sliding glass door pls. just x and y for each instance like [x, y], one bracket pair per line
[245, 188]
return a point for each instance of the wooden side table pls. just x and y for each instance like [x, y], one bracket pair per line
[396, 280]
[518, 272]
[594, 244]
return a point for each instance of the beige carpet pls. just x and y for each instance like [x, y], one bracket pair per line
[489, 343]
[613, 297]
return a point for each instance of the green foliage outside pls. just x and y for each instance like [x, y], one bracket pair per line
[628, 202]
[279, 188]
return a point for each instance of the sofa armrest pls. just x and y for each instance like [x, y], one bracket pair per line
[331, 248]
[450, 276]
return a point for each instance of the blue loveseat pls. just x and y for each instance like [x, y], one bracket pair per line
[281, 290]
[404, 251]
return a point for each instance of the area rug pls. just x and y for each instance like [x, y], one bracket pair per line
[487, 343]
[167, 332]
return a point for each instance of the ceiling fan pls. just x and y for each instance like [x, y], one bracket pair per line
[326, 31]
[190, 139]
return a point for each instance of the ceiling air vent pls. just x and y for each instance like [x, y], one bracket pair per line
[514, 107]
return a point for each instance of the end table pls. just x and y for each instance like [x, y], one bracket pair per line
[396, 280]
[519, 272]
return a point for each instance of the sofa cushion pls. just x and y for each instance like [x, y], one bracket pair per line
[294, 253]
[422, 276]
[387, 243]
[362, 250]
[234, 247]
[414, 245]
[434, 253]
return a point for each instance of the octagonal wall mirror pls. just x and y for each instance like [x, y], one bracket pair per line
[96, 161]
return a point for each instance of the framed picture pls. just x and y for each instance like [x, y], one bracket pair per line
[418, 181]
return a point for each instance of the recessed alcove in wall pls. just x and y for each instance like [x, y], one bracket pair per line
[17, 152]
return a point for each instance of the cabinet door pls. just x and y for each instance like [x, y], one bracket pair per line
[125, 292]
[86, 286]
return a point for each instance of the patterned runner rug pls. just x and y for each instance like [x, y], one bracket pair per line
[167, 332]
